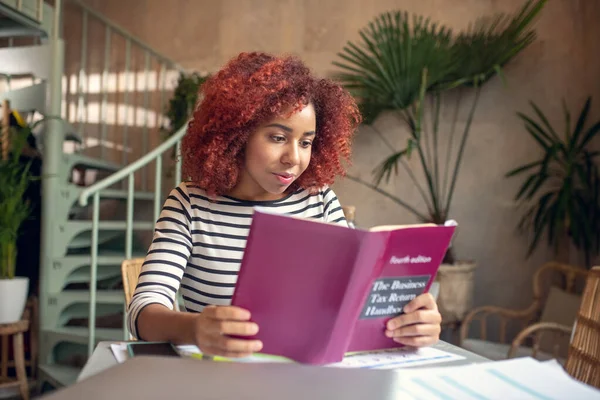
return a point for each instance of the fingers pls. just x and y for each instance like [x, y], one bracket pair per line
[415, 317]
[212, 351]
[235, 328]
[418, 341]
[424, 300]
[216, 325]
[229, 347]
[226, 313]
[415, 330]
[229, 321]
[417, 327]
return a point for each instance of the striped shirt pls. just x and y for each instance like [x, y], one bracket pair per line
[198, 245]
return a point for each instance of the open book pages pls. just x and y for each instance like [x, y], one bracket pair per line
[378, 228]
[381, 228]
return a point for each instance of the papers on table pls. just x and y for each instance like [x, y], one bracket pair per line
[121, 353]
[381, 359]
[396, 358]
[521, 378]
[119, 350]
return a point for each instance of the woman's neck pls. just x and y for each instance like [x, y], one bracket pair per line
[256, 195]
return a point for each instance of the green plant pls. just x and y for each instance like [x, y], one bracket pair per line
[14, 181]
[561, 194]
[405, 65]
[181, 105]
[183, 101]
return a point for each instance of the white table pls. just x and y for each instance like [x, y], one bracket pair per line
[102, 358]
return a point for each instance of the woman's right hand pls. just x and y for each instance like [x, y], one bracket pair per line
[213, 326]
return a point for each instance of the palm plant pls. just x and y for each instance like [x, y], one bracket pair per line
[14, 181]
[405, 65]
[561, 194]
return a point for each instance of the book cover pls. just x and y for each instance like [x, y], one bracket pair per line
[407, 269]
[316, 290]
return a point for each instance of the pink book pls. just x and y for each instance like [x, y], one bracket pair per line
[318, 290]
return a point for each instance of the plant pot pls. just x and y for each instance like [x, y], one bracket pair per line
[455, 296]
[13, 296]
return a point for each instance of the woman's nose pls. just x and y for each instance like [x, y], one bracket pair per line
[291, 155]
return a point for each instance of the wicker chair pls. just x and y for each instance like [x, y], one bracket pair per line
[130, 271]
[542, 330]
[583, 362]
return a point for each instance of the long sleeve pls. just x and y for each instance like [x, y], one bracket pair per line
[332, 211]
[166, 259]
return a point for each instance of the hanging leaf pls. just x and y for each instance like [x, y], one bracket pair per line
[564, 189]
[389, 165]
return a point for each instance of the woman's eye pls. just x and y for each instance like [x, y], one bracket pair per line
[278, 138]
[306, 143]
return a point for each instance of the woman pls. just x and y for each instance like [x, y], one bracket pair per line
[267, 133]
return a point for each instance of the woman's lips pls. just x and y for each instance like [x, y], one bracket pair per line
[285, 179]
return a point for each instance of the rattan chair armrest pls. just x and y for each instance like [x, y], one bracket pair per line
[536, 328]
[481, 314]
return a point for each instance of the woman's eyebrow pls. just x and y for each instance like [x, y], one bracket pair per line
[280, 126]
[288, 129]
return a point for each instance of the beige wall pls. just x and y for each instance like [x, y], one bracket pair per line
[563, 62]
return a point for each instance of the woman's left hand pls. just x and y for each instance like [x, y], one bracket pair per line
[419, 326]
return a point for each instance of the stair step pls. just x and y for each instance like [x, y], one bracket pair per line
[85, 241]
[103, 274]
[19, 60]
[70, 308]
[107, 196]
[83, 296]
[73, 159]
[58, 375]
[14, 29]
[25, 16]
[75, 268]
[80, 335]
[123, 194]
[27, 99]
[112, 203]
[105, 257]
[107, 230]
[86, 225]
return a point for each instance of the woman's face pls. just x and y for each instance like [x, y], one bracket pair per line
[277, 153]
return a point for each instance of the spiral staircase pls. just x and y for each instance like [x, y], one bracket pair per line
[103, 182]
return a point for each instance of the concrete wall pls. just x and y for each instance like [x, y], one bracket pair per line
[563, 62]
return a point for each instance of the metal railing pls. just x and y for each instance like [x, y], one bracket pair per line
[30, 19]
[163, 66]
[127, 176]
[33, 9]
[94, 192]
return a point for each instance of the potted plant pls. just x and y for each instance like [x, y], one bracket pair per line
[560, 196]
[14, 180]
[409, 67]
[183, 101]
[181, 105]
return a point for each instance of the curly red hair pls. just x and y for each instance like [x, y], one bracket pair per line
[250, 90]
